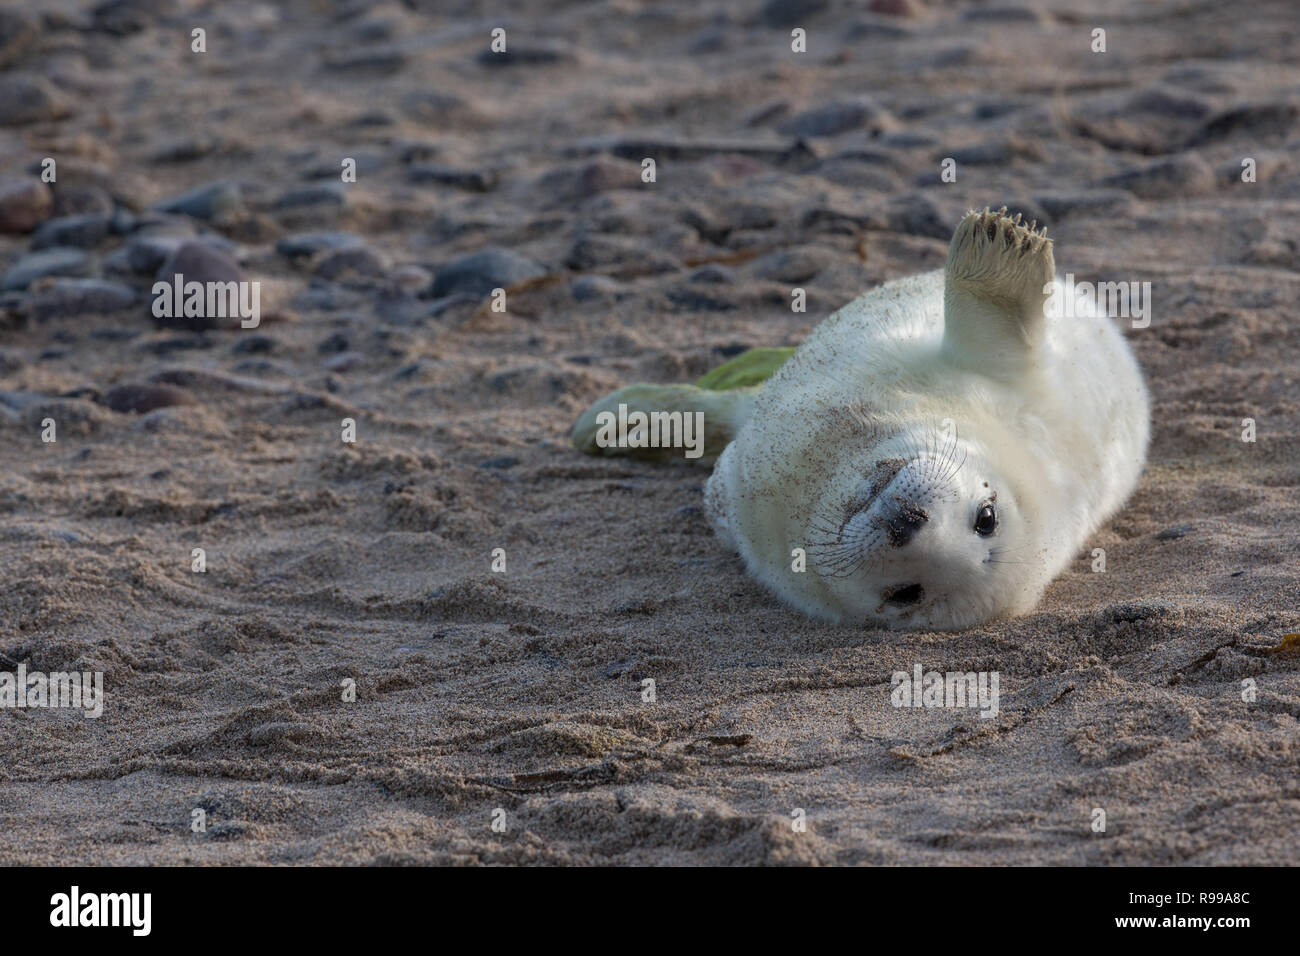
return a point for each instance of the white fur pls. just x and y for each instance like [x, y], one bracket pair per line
[1054, 420]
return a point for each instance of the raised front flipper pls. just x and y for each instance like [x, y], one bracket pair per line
[996, 284]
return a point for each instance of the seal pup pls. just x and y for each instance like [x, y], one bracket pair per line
[935, 452]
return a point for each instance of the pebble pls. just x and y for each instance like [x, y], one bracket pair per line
[256, 344]
[1173, 178]
[795, 265]
[411, 279]
[1091, 202]
[525, 55]
[842, 116]
[47, 262]
[145, 398]
[143, 255]
[380, 61]
[791, 13]
[124, 17]
[480, 272]
[471, 180]
[24, 204]
[310, 243]
[917, 214]
[316, 194]
[66, 297]
[19, 31]
[27, 98]
[592, 288]
[344, 361]
[214, 201]
[199, 261]
[360, 260]
[81, 232]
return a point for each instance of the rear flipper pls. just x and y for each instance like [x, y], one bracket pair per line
[663, 422]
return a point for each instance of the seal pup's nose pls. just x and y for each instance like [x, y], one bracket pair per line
[901, 519]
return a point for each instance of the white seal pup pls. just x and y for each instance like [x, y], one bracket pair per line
[939, 448]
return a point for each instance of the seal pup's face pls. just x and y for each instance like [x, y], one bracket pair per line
[932, 537]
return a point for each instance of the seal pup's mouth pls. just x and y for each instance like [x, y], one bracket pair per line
[901, 595]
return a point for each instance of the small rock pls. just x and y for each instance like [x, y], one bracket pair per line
[575, 184]
[1173, 178]
[81, 232]
[411, 279]
[198, 261]
[145, 398]
[256, 344]
[381, 61]
[317, 194]
[215, 201]
[500, 463]
[525, 55]
[27, 98]
[592, 288]
[81, 200]
[1177, 531]
[712, 274]
[310, 243]
[344, 362]
[338, 342]
[360, 260]
[24, 204]
[796, 265]
[480, 272]
[1091, 202]
[48, 262]
[917, 214]
[791, 13]
[144, 255]
[842, 116]
[66, 297]
[472, 180]
[19, 31]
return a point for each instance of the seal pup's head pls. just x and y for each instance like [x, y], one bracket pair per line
[933, 536]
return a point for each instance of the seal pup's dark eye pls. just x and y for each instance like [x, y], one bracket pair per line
[986, 520]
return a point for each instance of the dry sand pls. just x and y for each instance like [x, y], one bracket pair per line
[522, 690]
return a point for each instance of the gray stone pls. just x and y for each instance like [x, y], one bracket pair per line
[19, 31]
[65, 297]
[359, 260]
[27, 98]
[207, 202]
[80, 200]
[47, 262]
[145, 398]
[310, 243]
[472, 180]
[82, 232]
[198, 261]
[791, 13]
[1173, 178]
[316, 194]
[24, 204]
[842, 116]
[481, 272]
[124, 17]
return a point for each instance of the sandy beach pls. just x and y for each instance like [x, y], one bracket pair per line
[1163, 691]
